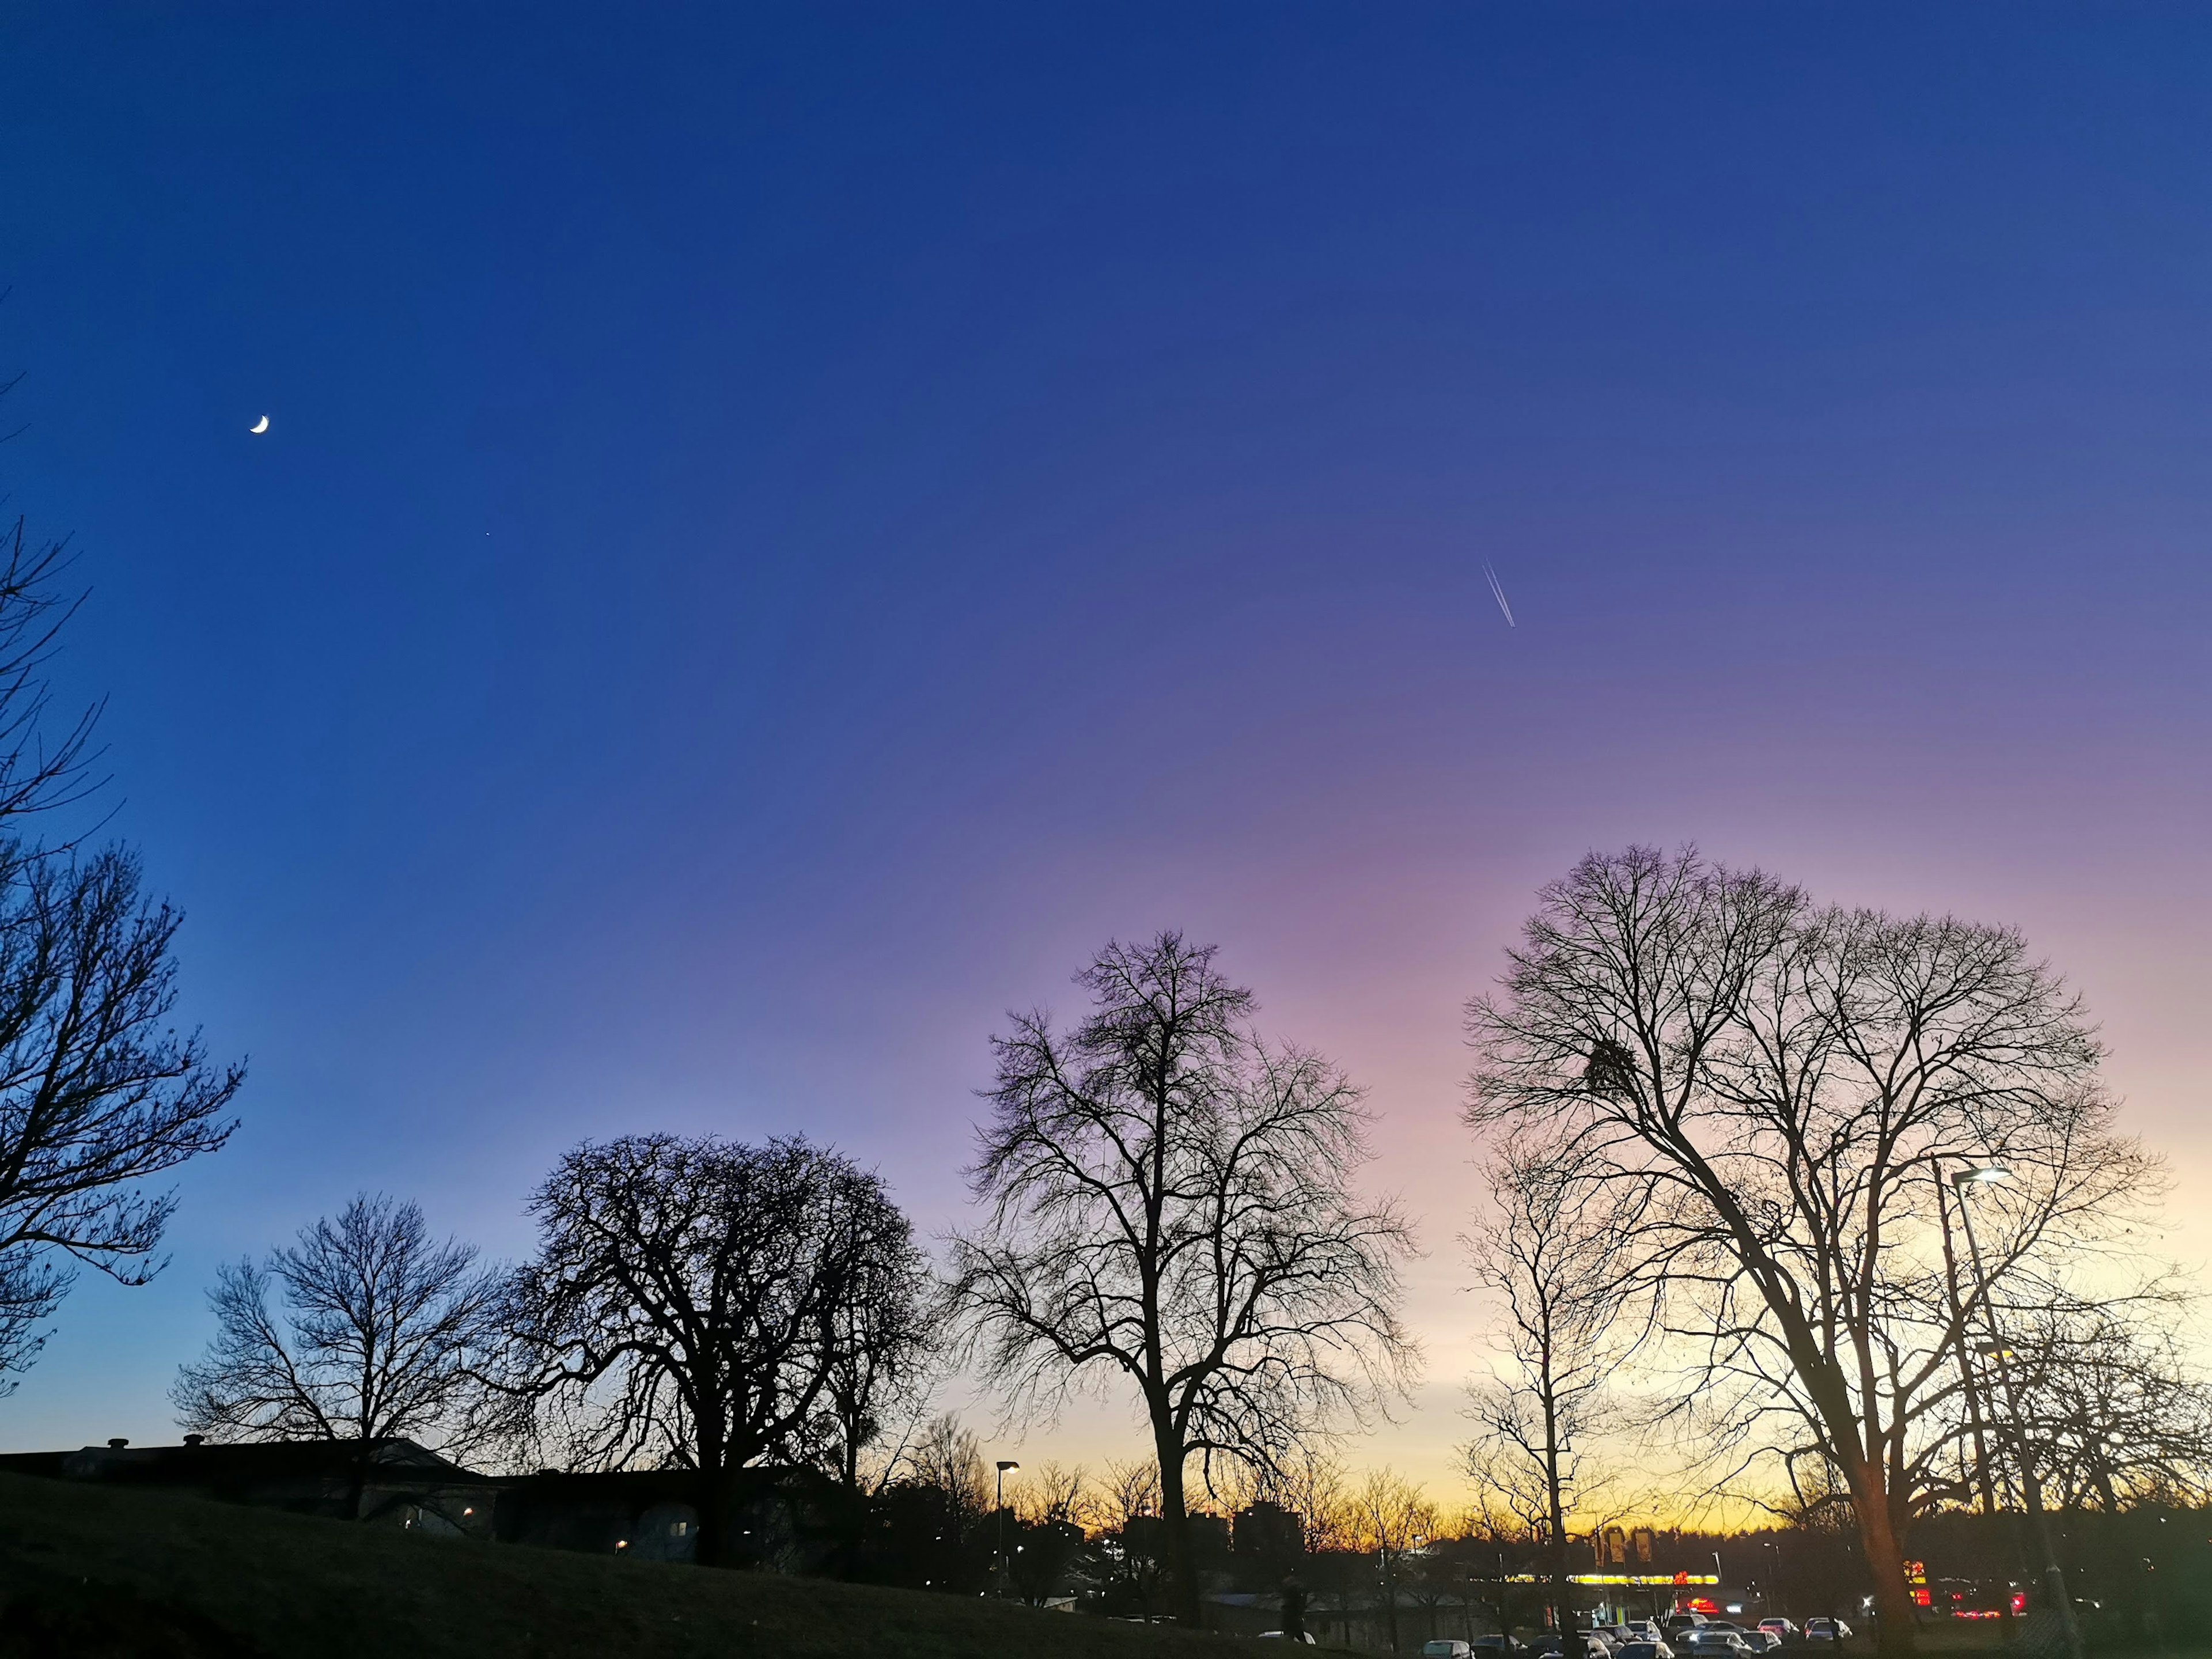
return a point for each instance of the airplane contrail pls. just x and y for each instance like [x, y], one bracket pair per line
[1497, 592]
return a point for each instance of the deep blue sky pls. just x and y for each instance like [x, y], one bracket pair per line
[783, 529]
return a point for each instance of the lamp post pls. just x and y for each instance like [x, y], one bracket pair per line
[1006, 1463]
[1967, 1380]
[1970, 1384]
[1963, 1182]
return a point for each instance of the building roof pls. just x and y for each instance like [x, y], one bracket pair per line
[249, 1461]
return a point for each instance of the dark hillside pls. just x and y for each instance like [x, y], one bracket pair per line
[93, 1571]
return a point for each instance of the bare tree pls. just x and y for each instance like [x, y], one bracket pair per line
[1132, 1492]
[1054, 1505]
[880, 1354]
[378, 1335]
[1394, 1518]
[1130, 1511]
[692, 1302]
[97, 1096]
[1550, 1258]
[1314, 1487]
[39, 773]
[1056, 1493]
[2117, 1406]
[1780, 1091]
[1170, 1199]
[1500, 1557]
[949, 1460]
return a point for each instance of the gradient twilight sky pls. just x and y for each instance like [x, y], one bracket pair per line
[783, 529]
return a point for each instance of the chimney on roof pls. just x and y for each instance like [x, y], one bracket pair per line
[196, 1440]
[118, 1444]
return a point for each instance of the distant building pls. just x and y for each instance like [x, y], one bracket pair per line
[396, 1482]
[1267, 1534]
[1209, 1537]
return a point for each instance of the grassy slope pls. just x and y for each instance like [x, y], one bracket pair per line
[96, 1571]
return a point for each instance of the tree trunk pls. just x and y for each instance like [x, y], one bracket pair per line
[1174, 1527]
[1885, 1557]
[1559, 1522]
[712, 1503]
[357, 1482]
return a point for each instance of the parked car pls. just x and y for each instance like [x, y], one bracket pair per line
[1678, 1623]
[1762, 1640]
[1826, 1629]
[1646, 1650]
[1450, 1648]
[1706, 1641]
[1283, 1636]
[1781, 1627]
[1498, 1645]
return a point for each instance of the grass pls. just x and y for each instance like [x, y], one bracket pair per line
[100, 1572]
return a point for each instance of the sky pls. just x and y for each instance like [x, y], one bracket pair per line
[783, 529]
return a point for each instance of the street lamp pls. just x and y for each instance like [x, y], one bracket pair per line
[1005, 1463]
[2031, 1489]
[1947, 1192]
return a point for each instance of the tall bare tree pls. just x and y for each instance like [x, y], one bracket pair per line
[1781, 1089]
[379, 1335]
[1170, 1199]
[693, 1301]
[97, 1096]
[1550, 1256]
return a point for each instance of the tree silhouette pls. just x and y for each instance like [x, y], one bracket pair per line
[378, 1335]
[1775, 1093]
[1170, 1199]
[692, 1302]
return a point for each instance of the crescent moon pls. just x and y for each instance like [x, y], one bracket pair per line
[261, 425]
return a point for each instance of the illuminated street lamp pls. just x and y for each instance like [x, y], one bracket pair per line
[1005, 1463]
[2031, 1489]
